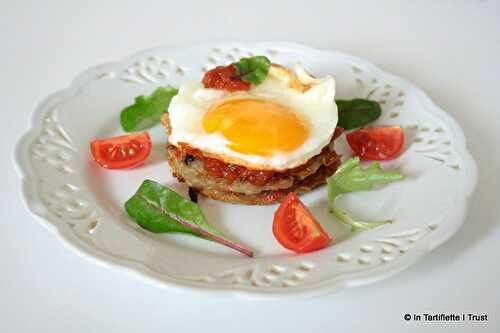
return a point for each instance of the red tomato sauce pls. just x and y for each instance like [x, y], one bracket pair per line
[233, 172]
[224, 77]
[230, 172]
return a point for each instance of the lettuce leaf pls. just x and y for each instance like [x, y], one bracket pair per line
[349, 177]
[158, 209]
[253, 69]
[357, 112]
[147, 110]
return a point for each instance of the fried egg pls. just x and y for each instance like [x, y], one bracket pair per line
[276, 125]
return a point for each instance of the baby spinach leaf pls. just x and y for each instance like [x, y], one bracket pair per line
[147, 110]
[158, 209]
[357, 112]
[349, 177]
[253, 69]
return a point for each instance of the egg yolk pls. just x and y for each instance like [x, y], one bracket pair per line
[256, 127]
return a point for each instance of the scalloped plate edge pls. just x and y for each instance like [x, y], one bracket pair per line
[62, 231]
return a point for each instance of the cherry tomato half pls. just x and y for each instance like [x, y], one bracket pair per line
[296, 229]
[376, 143]
[121, 152]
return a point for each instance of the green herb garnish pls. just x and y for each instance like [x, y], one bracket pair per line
[253, 69]
[158, 209]
[357, 112]
[147, 110]
[349, 177]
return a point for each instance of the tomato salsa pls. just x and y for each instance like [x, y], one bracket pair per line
[224, 77]
[230, 172]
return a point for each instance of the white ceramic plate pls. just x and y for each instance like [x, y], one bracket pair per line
[83, 203]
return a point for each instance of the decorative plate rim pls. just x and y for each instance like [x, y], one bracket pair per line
[69, 239]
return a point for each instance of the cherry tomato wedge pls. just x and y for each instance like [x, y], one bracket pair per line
[296, 229]
[376, 143]
[121, 152]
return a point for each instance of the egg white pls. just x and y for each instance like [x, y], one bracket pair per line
[315, 106]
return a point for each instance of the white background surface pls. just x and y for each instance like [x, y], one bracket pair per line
[451, 49]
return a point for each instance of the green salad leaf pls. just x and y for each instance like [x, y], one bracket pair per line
[349, 177]
[147, 110]
[253, 69]
[357, 112]
[158, 209]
